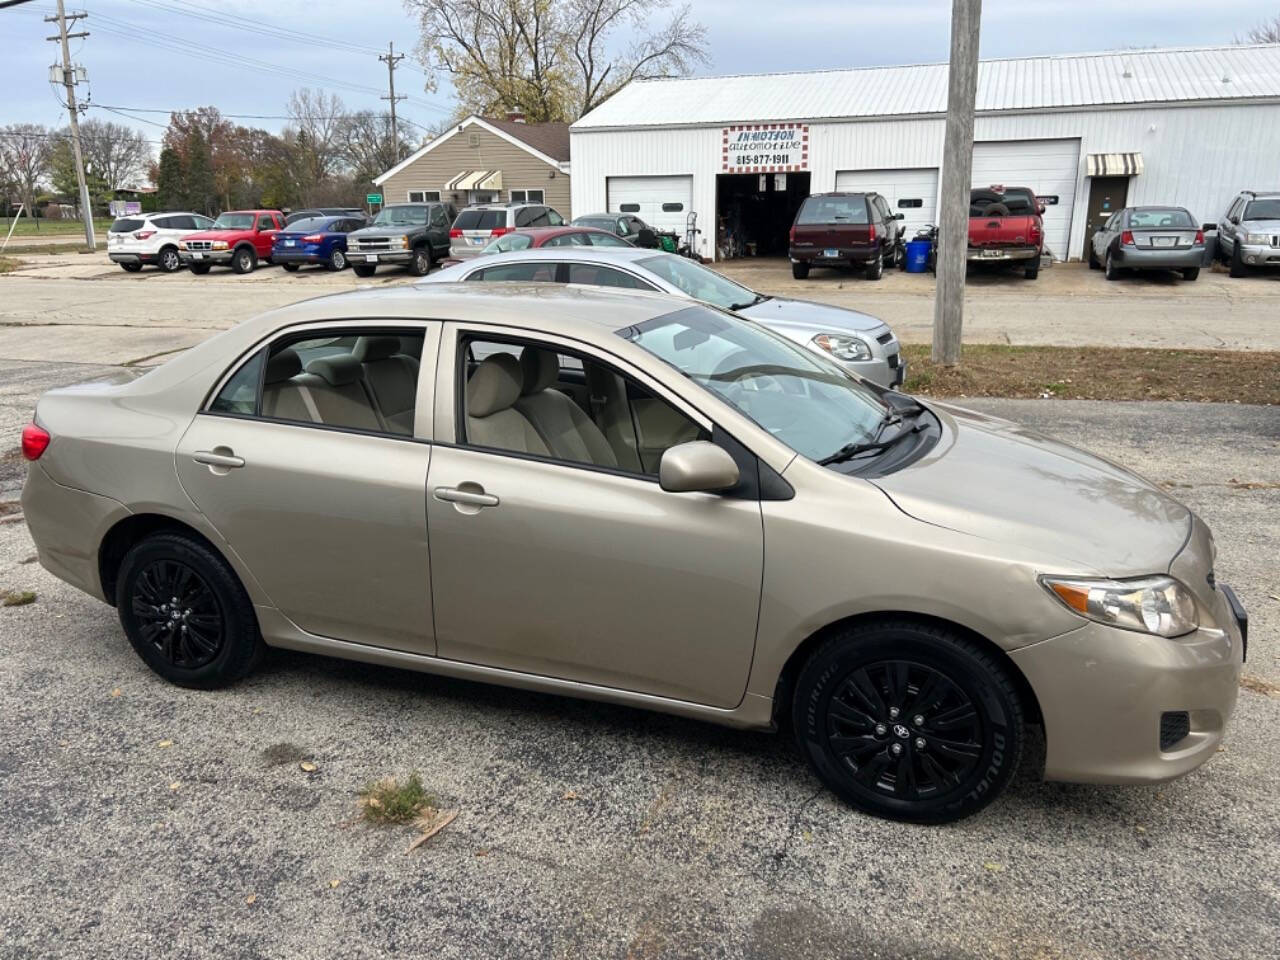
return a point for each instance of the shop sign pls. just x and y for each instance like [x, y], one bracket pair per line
[765, 148]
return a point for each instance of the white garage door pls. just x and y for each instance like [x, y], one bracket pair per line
[1048, 167]
[661, 202]
[912, 193]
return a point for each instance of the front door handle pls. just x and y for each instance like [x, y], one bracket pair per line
[214, 458]
[471, 498]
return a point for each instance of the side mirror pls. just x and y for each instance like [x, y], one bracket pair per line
[1235, 220]
[697, 467]
[1209, 226]
[899, 216]
[646, 238]
[1040, 209]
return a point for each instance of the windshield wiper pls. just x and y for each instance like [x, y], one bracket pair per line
[851, 450]
[759, 298]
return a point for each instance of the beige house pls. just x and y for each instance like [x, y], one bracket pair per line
[486, 161]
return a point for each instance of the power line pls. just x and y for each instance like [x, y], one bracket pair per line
[235, 116]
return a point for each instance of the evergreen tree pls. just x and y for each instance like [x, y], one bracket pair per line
[171, 185]
[202, 191]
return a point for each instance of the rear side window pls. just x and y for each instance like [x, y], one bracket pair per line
[480, 220]
[833, 210]
[604, 277]
[126, 225]
[239, 395]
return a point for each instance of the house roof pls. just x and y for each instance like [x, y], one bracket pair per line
[1237, 72]
[549, 142]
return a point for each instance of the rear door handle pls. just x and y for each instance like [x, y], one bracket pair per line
[215, 459]
[470, 498]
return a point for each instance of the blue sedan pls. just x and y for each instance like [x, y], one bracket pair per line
[320, 240]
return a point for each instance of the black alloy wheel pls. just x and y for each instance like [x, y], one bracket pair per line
[177, 614]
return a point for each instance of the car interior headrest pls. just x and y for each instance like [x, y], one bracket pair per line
[541, 369]
[494, 386]
[337, 371]
[369, 349]
[283, 365]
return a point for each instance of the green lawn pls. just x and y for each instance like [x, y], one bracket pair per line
[50, 228]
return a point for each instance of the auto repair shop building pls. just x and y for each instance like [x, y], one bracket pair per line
[1090, 133]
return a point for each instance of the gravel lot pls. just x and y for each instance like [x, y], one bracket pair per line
[142, 820]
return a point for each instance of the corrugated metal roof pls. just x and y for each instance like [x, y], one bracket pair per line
[1079, 80]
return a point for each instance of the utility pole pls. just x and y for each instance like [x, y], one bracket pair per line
[69, 81]
[391, 58]
[957, 174]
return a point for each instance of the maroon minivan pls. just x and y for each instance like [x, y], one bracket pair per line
[844, 230]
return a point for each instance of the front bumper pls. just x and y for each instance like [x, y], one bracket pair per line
[1260, 255]
[1155, 258]
[878, 370]
[361, 257]
[205, 256]
[1002, 254]
[1103, 691]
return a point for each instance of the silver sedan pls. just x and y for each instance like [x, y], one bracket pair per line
[861, 343]
[1148, 238]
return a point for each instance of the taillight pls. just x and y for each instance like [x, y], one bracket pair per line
[1035, 232]
[35, 440]
[454, 234]
[1126, 238]
[791, 237]
[312, 238]
[871, 233]
[500, 231]
[143, 234]
[1199, 238]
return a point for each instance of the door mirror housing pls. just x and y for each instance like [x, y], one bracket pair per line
[698, 466]
[1208, 226]
[899, 216]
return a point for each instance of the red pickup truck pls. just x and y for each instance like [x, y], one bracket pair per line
[238, 238]
[1005, 226]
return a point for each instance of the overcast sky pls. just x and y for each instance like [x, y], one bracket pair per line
[141, 52]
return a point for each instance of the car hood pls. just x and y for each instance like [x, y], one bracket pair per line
[1000, 481]
[1260, 226]
[385, 231]
[780, 312]
[218, 235]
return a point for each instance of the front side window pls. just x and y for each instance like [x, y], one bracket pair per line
[364, 380]
[819, 210]
[700, 282]
[599, 276]
[203, 223]
[808, 403]
[602, 240]
[540, 400]
[535, 272]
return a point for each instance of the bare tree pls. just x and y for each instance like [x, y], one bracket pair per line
[368, 147]
[1268, 31]
[552, 59]
[118, 154]
[24, 158]
[317, 120]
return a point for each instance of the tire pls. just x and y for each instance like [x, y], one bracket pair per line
[364, 270]
[856, 700]
[1191, 273]
[1093, 259]
[131, 267]
[213, 640]
[420, 265]
[1032, 270]
[337, 260]
[799, 271]
[244, 260]
[875, 269]
[290, 267]
[1237, 268]
[169, 260]
[200, 269]
[1112, 272]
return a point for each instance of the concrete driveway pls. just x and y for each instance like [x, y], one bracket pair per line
[143, 820]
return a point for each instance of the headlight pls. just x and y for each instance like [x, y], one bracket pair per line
[219, 245]
[182, 244]
[1159, 605]
[1257, 238]
[842, 346]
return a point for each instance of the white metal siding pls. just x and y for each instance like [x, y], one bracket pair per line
[649, 195]
[1047, 167]
[919, 184]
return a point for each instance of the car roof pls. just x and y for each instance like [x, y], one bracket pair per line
[585, 254]
[546, 233]
[602, 216]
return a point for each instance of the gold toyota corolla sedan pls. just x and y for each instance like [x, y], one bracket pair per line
[628, 497]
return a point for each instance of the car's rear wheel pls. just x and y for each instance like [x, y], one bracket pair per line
[1190, 273]
[364, 270]
[244, 260]
[420, 265]
[1112, 272]
[1032, 269]
[290, 267]
[1237, 268]
[908, 721]
[200, 269]
[337, 259]
[799, 270]
[186, 613]
[131, 267]
[1093, 259]
[169, 260]
[875, 269]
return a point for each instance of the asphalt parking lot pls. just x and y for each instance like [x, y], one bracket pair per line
[144, 820]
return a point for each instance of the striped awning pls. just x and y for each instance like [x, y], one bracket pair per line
[1115, 164]
[476, 180]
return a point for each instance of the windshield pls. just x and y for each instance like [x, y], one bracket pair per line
[1262, 210]
[410, 216]
[833, 210]
[234, 221]
[699, 282]
[1171, 217]
[507, 242]
[810, 404]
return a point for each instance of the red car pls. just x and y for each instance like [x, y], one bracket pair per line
[238, 239]
[1005, 226]
[529, 238]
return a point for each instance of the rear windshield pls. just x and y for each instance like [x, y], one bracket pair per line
[1160, 218]
[125, 225]
[1017, 202]
[833, 210]
[316, 224]
[480, 220]
[1262, 210]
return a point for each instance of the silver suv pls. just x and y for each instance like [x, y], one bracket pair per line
[1249, 234]
[477, 225]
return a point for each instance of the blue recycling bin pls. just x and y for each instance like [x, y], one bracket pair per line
[918, 255]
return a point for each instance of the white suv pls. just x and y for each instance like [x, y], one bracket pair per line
[152, 238]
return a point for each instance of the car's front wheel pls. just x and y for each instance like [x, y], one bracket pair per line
[909, 721]
[290, 267]
[186, 613]
[244, 260]
[420, 265]
[1110, 270]
[363, 270]
[1237, 268]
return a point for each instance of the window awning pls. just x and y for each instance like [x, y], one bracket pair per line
[1115, 164]
[476, 180]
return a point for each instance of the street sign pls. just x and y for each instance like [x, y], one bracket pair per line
[373, 198]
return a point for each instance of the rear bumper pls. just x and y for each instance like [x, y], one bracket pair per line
[1139, 258]
[844, 256]
[1002, 254]
[463, 253]
[297, 256]
[1103, 694]
[120, 256]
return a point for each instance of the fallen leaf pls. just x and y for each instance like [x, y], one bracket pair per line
[308, 767]
[16, 598]
[251, 899]
[165, 744]
[482, 853]
[333, 884]
[444, 819]
[807, 835]
[1140, 829]
[175, 785]
[570, 795]
[116, 691]
[993, 867]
